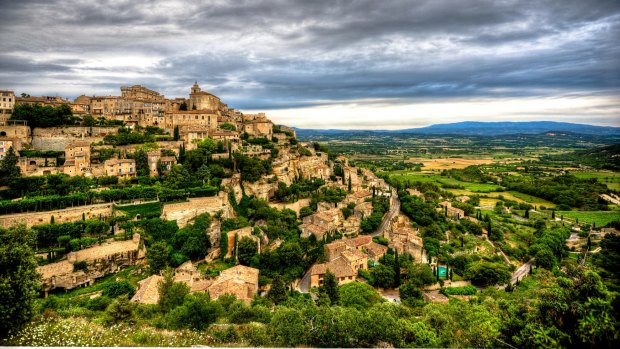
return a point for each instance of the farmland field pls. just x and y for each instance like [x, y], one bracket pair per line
[601, 218]
[444, 181]
[611, 179]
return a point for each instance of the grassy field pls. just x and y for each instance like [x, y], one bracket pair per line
[443, 181]
[612, 179]
[601, 218]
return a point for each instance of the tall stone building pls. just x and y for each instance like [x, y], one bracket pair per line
[7, 102]
[203, 100]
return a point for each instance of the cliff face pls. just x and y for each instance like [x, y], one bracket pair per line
[290, 165]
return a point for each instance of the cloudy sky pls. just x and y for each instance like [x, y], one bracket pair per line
[330, 64]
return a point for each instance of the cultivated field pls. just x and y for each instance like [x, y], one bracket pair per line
[449, 163]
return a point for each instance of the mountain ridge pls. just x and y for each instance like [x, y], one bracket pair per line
[480, 128]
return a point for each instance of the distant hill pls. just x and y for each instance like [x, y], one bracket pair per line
[476, 128]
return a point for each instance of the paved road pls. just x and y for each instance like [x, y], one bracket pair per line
[522, 271]
[394, 208]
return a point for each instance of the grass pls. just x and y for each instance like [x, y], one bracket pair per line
[600, 218]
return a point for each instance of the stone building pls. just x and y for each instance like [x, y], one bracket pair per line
[206, 119]
[261, 127]
[240, 281]
[239, 234]
[154, 159]
[203, 100]
[120, 167]
[77, 159]
[6, 144]
[100, 260]
[7, 102]
[451, 212]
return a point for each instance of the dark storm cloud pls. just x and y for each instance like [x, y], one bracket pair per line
[285, 54]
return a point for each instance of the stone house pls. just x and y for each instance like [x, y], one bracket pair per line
[238, 235]
[120, 167]
[240, 281]
[451, 212]
[77, 158]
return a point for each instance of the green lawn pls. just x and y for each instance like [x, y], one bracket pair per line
[601, 218]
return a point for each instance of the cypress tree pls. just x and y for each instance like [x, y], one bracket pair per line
[349, 187]
[330, 287]
[176, 134]
[396, 270]
[277, 292]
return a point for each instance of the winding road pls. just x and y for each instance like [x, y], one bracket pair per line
[394, 208]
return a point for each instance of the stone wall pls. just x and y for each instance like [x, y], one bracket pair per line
[183, 212]
[57, 138]
[60, 216]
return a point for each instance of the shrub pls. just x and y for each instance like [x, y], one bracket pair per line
[98, 303]
[468, 290]
[114, 289]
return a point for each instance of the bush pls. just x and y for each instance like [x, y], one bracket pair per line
[120, 310]
[114, 289]
[98, 303]
[468, 290]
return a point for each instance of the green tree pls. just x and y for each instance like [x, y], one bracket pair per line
[8, 167]
[383, 276]
[19, 280]
[171, 294]
[176, 135]
[277, 292]
[246, 250]
[410, 292]
[183, 106]
[158, 256]
[197, 312]
[358, 295]
[120, 310]
[483, 273]
[330, 287]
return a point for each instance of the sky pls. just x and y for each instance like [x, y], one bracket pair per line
[367, 64]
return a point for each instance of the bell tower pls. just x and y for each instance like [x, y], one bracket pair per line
[195, 88]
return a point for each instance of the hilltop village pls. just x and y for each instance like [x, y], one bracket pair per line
[101, 177]
[142, 220]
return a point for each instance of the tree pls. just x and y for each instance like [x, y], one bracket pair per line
[171, 294]
[358, 295]
[349, 184]
[330, 287]
[383, 276]
[19, 280]
[8, 167]
[176, 134]
[396, 270]
[483, 273]
[545, 258]
[158, 256]
[120, 310]
[183, 106]
[197, 313]
[246, 250]
[410, 292]
[277, 292]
